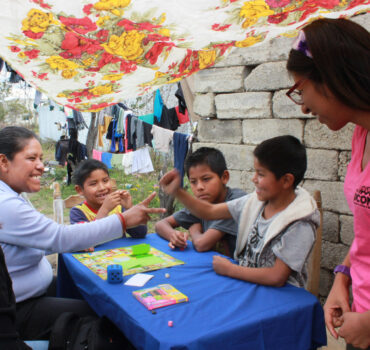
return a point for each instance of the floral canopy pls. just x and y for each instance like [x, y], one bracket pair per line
[89, 54]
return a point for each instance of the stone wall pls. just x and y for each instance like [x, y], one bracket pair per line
[241, 102]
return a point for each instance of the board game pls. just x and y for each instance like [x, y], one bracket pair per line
[159, 296]
[131, 259]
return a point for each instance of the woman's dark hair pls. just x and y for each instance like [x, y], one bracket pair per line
[283, 155]
[13, 139]
[207, 155]
[85, 168]
[341, 60]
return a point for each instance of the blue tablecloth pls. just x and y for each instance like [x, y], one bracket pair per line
[222, 313]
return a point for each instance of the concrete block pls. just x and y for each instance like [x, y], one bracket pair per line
[229, 131]
[330, 226]
[243, 105]
[238, 157]
[363, 20]
[204, 105]
[284, 107]
[343, 161]
[228, 79]
[276, 49]
[332, 195]
[268, 77]
[235, 179]
[247, 182]
[322, 164]
[257, 130]
[346, 229]
[317, 135]
[332, 254]
[326, 281]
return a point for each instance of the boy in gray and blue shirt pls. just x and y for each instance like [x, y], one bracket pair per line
[208, 176]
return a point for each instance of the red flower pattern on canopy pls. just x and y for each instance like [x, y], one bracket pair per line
[89, 54]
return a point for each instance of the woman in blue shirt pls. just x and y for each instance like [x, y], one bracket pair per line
[27, 235]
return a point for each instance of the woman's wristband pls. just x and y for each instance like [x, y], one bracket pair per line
[343, 269]
[123, 222]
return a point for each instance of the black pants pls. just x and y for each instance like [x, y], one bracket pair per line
[36, 316]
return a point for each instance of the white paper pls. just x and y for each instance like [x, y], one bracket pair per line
[138, 280]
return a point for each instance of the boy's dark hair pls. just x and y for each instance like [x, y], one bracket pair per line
[283, 155]
[340, 52]
[13, 139]
[85, 168]
[207, 155]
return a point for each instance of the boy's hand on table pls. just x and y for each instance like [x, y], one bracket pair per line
[126, 199]
[178, 239]
[171, 182]
[221, 265]
[356, 329]
[139, 214]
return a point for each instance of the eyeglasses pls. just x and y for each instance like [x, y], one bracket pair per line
[294, 94]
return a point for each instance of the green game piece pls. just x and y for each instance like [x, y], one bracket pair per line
[140, 249]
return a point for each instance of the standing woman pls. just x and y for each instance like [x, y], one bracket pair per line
[26, 235]
[330, 64]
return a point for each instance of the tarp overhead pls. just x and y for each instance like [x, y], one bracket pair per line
[89, 54]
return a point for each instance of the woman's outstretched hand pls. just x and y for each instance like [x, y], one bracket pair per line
[139, 214]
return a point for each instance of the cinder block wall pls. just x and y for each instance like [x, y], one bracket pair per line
[241, 102]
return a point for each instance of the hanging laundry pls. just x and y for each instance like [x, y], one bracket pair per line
[161, 138]
[37, 99]
[158, 105]
[52, 105]
[96, 154]
[100, 117]
[61, 151]
[137, 132]
[141, 161]
[180, 150]
[116, 161]
[169, 119]
[147, 118]
[180, 96]
[120, 122]
[127, 162]
[79, 120]
[106, 159]
[182, 117]
[117, 139]
[103, 129]
[129, 146]
[148, 137]
[110, 131]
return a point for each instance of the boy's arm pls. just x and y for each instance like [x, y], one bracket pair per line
[170, 183]
[269, 276]
[204, 241]
[166, 229]
[76, 216]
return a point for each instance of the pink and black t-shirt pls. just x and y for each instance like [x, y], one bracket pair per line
[357, 192]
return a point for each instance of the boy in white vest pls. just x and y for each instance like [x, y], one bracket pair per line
[276, 223]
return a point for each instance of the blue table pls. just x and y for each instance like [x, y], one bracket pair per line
[222, 313]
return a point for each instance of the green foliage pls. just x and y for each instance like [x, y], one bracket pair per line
[2, 112]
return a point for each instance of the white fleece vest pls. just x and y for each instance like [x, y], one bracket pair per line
[302, 206]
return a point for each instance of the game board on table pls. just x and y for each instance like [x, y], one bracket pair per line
[133, 259]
